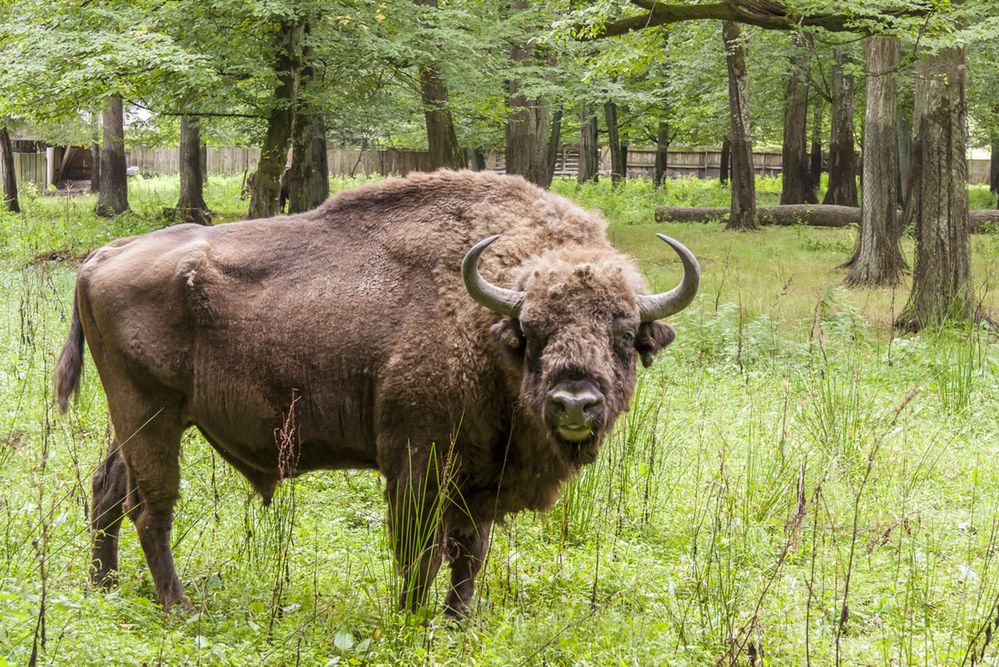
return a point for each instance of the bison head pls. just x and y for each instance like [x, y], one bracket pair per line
[572, 331]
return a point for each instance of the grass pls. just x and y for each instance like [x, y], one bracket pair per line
[794, 484]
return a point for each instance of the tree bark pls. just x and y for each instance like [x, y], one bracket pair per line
[725, 159]
[994, 168]
[442, 139]
[614, 142]
[309, 175]
[797, 186]
[877, 259]
[204, 161]
[768, 14]
[589, 148]
[476, 159]
[743, 210]
[113, 196]
[554, 142]
[842, 154]
[191, 205]
[937, 206]
[95, 167]
[527, 127]
[663, 140]
[815, 157]
[265, 196]
[904, 133]
[7, 174]
[812, 215]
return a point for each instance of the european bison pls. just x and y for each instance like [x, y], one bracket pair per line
[393, 344]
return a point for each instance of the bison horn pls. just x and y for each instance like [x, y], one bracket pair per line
[497, 299]
[657, 306]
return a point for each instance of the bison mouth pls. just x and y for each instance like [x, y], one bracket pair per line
[577, 446]
[574, 411]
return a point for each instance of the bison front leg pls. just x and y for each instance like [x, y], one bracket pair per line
[467, 553]
[414, 531]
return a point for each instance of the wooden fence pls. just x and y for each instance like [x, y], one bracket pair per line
[232, 160]
[30, 168]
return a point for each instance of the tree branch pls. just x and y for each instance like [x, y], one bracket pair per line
[761, 13]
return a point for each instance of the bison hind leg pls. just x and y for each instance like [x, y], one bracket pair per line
[110, 484]
[151, 453]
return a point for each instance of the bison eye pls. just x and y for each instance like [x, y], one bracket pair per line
[626, 337]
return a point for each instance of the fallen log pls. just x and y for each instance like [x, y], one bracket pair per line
[813, 215]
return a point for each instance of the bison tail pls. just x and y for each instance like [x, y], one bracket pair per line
[69, 368]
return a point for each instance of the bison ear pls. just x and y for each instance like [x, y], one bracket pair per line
[652, 337]
[509, 336]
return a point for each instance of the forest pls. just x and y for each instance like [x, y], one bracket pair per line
[807, 475]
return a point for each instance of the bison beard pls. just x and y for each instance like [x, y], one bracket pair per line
[403, 351]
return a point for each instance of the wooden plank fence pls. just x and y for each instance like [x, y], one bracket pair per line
[234, 160]
[30, 168]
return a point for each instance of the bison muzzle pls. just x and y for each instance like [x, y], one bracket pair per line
[475, 380]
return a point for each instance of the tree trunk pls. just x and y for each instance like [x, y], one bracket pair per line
[554, 143]
[743, 210]
[725, 168]
[877, 259]
[113, 196]
[842, 154]
[476, 159]
[623, 139]
[7, 174]
[527, 126]
[265, 196]
[937, 206]
[191, 205]
[797, 186]
[589, 148]
[812, 215]
[994, 168]
[442, 140]
[663, 140]
[613, 142]
[204, 162]
[904, 121]
[441, 137]
[95, 167]
[815, 157]
[309, 175]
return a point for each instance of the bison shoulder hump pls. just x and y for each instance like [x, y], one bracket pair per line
[199, 279]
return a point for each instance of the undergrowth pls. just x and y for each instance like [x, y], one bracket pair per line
[793, 484]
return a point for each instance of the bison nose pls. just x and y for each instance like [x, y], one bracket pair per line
[575, 408]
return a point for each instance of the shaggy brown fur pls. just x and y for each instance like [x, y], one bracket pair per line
[359, 309]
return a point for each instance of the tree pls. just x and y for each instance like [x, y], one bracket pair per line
[842, 189]
[113, 196]
[937, 206]
[797, 185]
[309, 180]
[878, 259]
[618, 167]
[191, 205]
[266, 191]
[527, 127]
[441, 137]
[743, 210]
[589, 149]
[7, 174]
